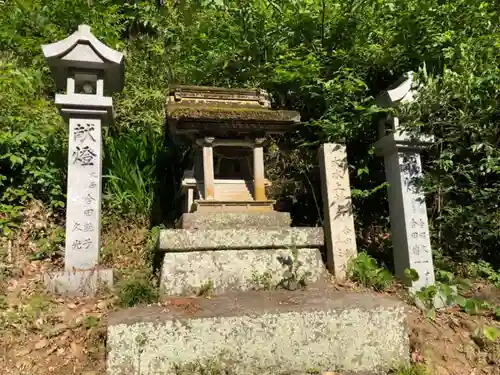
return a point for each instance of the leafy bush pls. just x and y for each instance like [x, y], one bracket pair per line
[31, 140]
[365, 270]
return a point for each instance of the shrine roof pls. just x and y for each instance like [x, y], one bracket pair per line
[192, 108]
[222, 113]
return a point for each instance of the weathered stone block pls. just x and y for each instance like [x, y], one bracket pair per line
[337, 207]
[233, 239]
[233, 220]
[260, 333]
[187, 273]
[79, 282]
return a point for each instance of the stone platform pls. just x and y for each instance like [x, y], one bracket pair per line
[260, 333]
[239, 259]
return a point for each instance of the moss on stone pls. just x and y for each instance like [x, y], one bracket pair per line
[225, 113]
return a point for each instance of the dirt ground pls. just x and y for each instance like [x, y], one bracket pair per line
[41, 334]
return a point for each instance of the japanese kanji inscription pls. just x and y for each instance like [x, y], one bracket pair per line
[84, 194]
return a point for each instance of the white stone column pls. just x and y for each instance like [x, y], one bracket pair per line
[208, 168]
[83, 209]
[408, 213]
[259, 183]
[338, 221]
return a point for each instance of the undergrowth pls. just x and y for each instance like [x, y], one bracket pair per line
[365, 270]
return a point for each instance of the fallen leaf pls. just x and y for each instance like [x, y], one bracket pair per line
[71, 306]
[76, 350]
[51, 350]
[23, 352]
[41, 344]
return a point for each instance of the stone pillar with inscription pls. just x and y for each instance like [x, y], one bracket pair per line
[338, 222]
[86, 70]
[403, 169]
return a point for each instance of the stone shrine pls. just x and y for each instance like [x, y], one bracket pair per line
[228, 128]
[90, 72]
[232, 245]
[229, 236]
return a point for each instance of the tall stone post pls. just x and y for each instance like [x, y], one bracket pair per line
[338, 221]
[88, 70]
[403, 169]
[259, 181]
[208, 167]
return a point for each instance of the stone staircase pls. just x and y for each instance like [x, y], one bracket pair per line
[243, 331]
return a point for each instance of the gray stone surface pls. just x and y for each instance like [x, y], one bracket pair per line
[261, 333]
[232, 220]
[340, 236]
[83, 208]
[78, 283]
[233, 239]
[187, 273]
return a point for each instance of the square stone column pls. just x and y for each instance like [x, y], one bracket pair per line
[208, 168]
[84, 195]
[338, 221]
[407, 208]
[258, 170]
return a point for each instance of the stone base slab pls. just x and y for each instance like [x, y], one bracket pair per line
[188, 273]
[79, 282]
[260, 333]
[231, 239]
[234, 220]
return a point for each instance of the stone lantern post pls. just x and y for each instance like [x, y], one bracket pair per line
[88, 72]
[408, 212]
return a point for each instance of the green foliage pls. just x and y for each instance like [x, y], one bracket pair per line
[91, 322]
[486, 271]
[412, 370]
[50, 245]
[292, 279]
[131, 172]
[327, 59]
[30, 143]
[365, 270]
[449, 293]
[262, 281]
[491, 333]
[206, 289]
[485, 336]
[137, 288]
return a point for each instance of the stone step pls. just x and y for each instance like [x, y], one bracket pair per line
[233, 192]
[238, 259]
[234, 220]
[260, 333]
